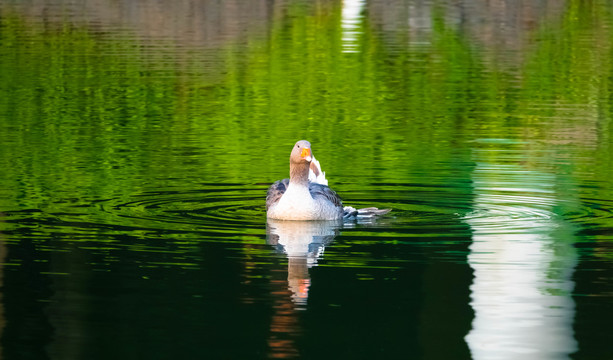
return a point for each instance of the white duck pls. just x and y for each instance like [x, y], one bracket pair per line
[306, 195]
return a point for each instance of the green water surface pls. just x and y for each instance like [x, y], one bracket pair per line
[137, 141]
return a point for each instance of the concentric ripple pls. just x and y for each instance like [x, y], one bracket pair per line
[486, 204]
[214, 207]
[508, 199]
[225, 209]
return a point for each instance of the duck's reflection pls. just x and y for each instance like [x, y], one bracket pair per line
[523, 258]
[303, 243]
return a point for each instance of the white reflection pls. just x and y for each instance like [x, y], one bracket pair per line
[523, 259]
[303, 242]
[350, 24]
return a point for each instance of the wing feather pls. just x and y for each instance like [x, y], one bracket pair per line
[323, 191]
[275, 191]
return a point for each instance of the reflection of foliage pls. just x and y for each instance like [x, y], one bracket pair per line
[89, 114]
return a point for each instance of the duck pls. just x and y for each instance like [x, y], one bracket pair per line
[306, 194]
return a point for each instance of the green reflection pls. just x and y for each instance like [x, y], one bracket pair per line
[90, 115]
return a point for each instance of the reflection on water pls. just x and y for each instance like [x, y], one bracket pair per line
[350, 24]
[523, 259]
[303, 242]
[139, 138]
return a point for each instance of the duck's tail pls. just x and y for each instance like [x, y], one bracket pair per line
[350, 213]
[316, 175]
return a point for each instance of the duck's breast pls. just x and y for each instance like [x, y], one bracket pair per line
[300, 203]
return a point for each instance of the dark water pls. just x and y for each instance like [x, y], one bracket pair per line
[137, 141]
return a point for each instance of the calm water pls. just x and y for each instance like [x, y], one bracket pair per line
[137, 141]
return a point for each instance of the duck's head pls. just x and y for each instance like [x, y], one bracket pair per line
[301, 153]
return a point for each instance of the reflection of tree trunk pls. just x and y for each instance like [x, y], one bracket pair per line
[284, 322]
[523, 260]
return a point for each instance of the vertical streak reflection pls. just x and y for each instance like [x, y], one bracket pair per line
[523, 259]
[350, 24]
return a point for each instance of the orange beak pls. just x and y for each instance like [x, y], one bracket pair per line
[306, 153]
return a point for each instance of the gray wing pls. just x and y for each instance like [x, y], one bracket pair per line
[275, 191]
[324, 192]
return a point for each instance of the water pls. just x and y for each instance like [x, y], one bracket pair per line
[138, 141]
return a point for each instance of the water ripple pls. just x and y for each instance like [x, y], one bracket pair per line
[234, 209]
[220, 207]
